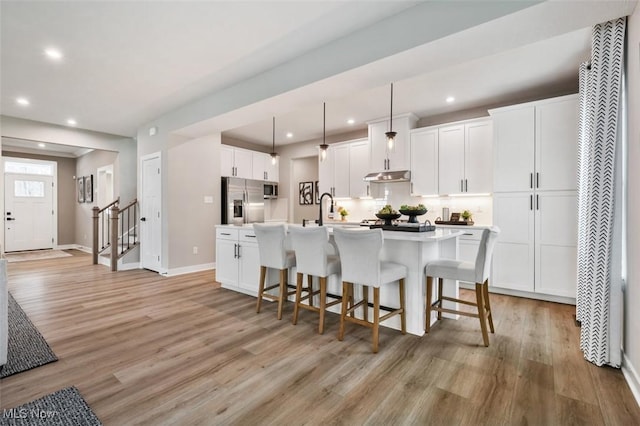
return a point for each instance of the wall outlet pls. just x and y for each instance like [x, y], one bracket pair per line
[195, 250]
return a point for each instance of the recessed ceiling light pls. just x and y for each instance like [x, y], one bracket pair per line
[289, 135]
[41, 145]
[22, 101]
[450, 99]
[52, 53]
[351, 121]
[71, 122]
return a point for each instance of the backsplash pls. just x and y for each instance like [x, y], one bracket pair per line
[397, 194]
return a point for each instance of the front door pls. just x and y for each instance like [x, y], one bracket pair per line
[150, 221]
[28, 212]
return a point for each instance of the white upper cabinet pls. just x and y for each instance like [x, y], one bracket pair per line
[236, 162]
[535, 145]
[358, 169]
[263, 167]
[465, 158]
[424, 161]
[325, 172]
[451, 158]
[341, 177]
[381, 157]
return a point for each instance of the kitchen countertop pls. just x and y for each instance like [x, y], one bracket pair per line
[433, 236]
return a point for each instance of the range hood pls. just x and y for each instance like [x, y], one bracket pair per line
[382, 177]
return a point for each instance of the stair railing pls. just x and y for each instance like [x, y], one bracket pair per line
[101, 229]
[121, 233]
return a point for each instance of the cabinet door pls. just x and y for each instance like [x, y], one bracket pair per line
[341, 171]
[358, 168]
[325, 172]
[249, 267]
[478, 157]
[226, 262]
[451, 157]
[424, 162]
[378, 146]
[226, 161]
[513, 149]
[557, 145]
[513, 258]
[259, 161]
[243, 160]
[556, 240]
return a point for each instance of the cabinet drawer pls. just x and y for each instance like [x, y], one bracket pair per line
[248, 235]
[227, 234]
[472, 234]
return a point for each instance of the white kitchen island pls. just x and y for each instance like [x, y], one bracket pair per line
[412, 249]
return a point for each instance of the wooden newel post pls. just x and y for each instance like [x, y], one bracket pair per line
[94, 248]
[114, 237]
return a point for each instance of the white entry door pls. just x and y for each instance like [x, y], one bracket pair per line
[28, 218]
[150, 221]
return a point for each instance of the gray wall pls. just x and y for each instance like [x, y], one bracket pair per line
[66, 169]
[193, 172]
[632, 297]
[304, 170]
[85, 166]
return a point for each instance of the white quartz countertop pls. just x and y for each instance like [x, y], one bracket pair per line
[463, 227]
[433, 236]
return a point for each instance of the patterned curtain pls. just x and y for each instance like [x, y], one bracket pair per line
[600, 103]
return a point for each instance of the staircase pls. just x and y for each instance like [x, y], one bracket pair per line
[115, 232]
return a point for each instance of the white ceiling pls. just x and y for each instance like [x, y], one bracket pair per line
[126, 63]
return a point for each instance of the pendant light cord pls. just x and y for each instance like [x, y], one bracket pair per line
[391, 113]
[273, 139]
[324, 122]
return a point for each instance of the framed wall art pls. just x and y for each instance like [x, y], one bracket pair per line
[80, 189]
[305, 193]
[88, 189]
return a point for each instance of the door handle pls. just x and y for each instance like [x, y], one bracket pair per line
[11, 218]
[143, 219]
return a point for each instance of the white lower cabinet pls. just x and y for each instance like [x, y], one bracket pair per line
[237, 260]
[537, 246]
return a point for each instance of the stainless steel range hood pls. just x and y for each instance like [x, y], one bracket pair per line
[382, 177]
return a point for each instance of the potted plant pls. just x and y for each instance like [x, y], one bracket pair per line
[343, 213]
[466, 216]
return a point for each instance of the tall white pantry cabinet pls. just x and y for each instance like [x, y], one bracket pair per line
[535, 198]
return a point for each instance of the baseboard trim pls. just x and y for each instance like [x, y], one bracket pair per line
[631, 376]
[190, 269]
[528, 295]
[128, 266]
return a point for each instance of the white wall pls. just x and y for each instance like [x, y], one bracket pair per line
[304, 170]
[631, 343]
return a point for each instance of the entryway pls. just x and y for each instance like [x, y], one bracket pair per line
[30, 204]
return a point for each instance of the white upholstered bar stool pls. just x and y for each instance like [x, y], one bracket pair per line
[475, 272]
[273, 254]
[360, 259]
[311, 246]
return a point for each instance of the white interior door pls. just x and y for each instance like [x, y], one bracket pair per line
[28, 212]
[105, 186]
[150, 220]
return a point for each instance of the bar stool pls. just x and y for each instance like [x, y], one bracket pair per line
[477, 272]
[311, 246]
[360, 259]
[273, 254]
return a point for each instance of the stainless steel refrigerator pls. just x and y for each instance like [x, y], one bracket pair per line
[242, 201]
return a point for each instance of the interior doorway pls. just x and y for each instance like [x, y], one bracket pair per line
[30, 204]
[105, 185]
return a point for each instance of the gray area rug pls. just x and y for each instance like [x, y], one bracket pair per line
[65, 407]
[27, 348]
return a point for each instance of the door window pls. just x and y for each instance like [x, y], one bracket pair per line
[28, 188]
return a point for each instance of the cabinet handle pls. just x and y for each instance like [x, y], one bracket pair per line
[531, 202]
[537, 202]
[466, 186]
[224, 233]
[412, 187]
[461, 185]
[537, 180]
[388, 163]
[531, 180]
[250, 236]
[238, 251]
[368, 190]
[235, 251]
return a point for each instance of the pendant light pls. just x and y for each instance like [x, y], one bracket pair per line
[324, 146]
[274, 154]
[391, 135]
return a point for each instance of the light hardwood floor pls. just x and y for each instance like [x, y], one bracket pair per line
[143, 349]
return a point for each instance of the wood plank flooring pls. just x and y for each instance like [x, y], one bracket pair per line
[144, 349]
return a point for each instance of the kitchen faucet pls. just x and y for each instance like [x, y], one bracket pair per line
[320, 212]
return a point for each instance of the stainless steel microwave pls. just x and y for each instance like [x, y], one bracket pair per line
[270, 190]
